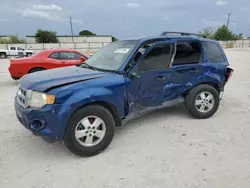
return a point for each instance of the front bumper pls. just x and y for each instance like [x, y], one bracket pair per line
[48, 122]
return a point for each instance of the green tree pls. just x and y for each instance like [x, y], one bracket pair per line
[224, 34]
[207, 32]
[15, 40]
[11, 40]
[114, 39]
[45, 36]
[237, 36]
[86, 33]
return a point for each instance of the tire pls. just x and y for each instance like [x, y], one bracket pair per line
[3, 55]
[78, 145]
[28, 54]
[36, 70]
[195, 99]
[15, 78]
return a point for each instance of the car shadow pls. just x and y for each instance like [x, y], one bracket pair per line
[57, 149]
[171, 112]
[9, 82]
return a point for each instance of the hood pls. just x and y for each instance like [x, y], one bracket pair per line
[46, 80]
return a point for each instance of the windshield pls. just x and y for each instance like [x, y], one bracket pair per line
[112, 56]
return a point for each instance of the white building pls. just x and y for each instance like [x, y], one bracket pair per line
[77, 39]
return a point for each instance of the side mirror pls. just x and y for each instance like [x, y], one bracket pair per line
[135, 75]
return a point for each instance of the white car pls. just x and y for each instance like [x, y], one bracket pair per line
[15, 51]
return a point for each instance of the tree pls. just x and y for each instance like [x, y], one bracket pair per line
[114, 39]
[11, 40]
[223, 34]
[237, 37]
[45, 36]
[86, 33]
[207, 32]
[15, 40]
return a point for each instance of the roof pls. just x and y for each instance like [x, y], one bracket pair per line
[60, 49]
[167, 37]
[49, 51]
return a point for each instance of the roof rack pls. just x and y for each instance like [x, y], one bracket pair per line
[182, 33]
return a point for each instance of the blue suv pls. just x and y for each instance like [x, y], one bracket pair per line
[83, 104]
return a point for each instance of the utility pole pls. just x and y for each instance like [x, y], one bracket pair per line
[72, 33]
[228, 19]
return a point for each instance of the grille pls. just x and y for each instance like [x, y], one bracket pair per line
[22, 97]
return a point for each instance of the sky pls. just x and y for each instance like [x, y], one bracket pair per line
[122, 19]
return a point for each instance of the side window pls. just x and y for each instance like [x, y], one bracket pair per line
[18, 48]
[70, 56]
[213, 52]
[77, 56]
[156, 59]
[141, 51]
[187, 53]
[55, 55]
[12, 48]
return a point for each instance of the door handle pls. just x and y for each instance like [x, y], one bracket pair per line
[187, 70]
[193, 70]
[161, 78]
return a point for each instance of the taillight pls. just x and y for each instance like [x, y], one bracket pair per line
[229, 74]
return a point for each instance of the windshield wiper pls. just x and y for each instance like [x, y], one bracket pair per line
[85, 65]
[108, 70]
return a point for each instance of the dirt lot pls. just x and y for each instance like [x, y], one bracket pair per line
[163, 149]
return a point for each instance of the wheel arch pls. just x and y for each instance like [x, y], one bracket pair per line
[213, 84]
[210, 83]
[109, 106]
[36, 68]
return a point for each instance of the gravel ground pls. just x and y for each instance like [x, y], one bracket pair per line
[163, 149]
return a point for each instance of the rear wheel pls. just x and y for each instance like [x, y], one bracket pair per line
[89, 131]
[36, 70]
[202, 101]
[3, 55]
[15, 78]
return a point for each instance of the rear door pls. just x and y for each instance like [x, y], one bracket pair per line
[187, 66]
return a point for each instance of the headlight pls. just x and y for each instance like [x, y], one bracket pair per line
[38, 99]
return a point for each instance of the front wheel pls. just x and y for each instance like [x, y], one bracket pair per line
[89, 131]
[3, 55]
[202, 101]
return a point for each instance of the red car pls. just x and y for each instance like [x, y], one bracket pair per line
[47, 59]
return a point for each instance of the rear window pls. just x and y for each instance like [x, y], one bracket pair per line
[55, 55]
[213, 52]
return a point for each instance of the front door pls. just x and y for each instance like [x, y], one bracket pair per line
[147, 82]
